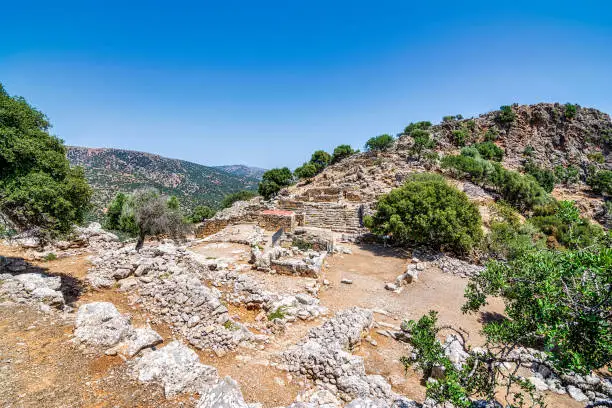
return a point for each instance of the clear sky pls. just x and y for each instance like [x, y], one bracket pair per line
[265, 83]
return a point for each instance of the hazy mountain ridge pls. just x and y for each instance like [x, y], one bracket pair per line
[111, 170]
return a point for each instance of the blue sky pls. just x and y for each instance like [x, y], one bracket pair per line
[266, 83]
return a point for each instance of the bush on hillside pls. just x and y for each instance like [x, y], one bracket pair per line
[566, 175]
[421, 141]
[342, 152]
[38, 188]
[490, 151]
[451, 118]
[378, 143]
[423, 125]
[460, 137]
[545, 178]
[570, 110]
[506, 115]
[307, 170]
[201, 213]
[601, 182]
[243, 195]
[273, 181]
[427, 211]
[491, 135]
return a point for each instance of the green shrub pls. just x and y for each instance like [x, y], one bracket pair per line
[243, 195]
[601, 182]
[566, 175]
[452, 118]
[596, 157]
[466, 166]
[491, 135]
[421, 141]
[506, 115]
[470, 151]
[556, 301]
[202, 212]
[424, 125]
[428, 211]
[38, 188]
[570, 110]
[508, 237]
[528, 151]
[460, 137]
[273, 181]
[342, 152]
[568, 228]
[279, 313]
[307, 170]
[301, 244]
[490, 151]
[50, 257]
[378, 143]
[545, 178]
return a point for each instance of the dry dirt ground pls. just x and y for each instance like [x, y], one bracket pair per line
[41, 367]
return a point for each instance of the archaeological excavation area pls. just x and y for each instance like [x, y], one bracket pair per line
[258, 311]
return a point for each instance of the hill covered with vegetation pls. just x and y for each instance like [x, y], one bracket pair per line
[110, 171]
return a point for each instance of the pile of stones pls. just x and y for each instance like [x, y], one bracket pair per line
[324, 356]
[22, 283]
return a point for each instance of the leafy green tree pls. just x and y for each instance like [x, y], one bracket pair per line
[342, 152]
[506, 115]
[307, 170]
[558, 302]
[426, 210]
[38, 188]
[566, 175]
[112, 219]
[201, 213]
[379, 143]
[274, 180]
[490, 151]
[321, 159]
[421, 141]
[243, 195]
[173, 203]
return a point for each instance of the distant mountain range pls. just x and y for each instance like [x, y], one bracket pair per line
[110, 171]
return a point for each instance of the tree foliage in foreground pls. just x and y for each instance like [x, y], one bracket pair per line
[38, 188]
[426, 210]
[557, 301]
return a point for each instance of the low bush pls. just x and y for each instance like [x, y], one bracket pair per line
[421, 141]
[570, 110]
[424, 125]
[491, 135]
[601, 182]
[508, 236]
[506, 115]
[243, 195]
[545, 178]
[201, 213]
[566, 175]
[460, 137]
[426, 210]
[379, 143]
[490, 151]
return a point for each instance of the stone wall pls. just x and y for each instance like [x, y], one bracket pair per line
[271, 220]
[339, 217]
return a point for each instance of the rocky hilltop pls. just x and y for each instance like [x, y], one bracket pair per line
[112, 170]
[546, 134]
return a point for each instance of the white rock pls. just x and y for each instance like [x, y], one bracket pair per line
[101, 324]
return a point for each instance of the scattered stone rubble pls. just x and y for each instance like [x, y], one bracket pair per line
[22, 283]
[101, 326]
[446, 263]
[324, 357]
